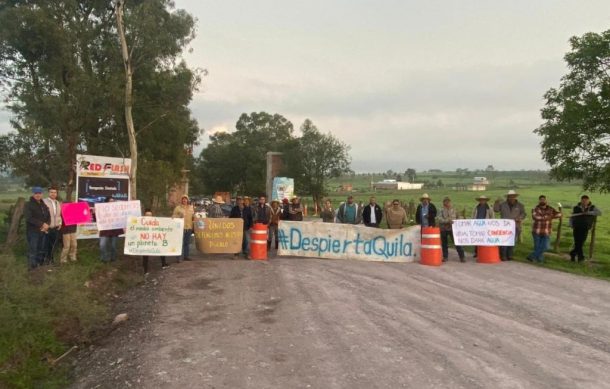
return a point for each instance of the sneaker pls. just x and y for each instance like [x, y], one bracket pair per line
[165, 267]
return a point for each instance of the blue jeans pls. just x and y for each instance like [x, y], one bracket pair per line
[541, 243]
[108, 253]
[51, 242]
[36, 248]
[186, 242]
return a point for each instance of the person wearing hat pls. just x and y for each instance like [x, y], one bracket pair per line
[37, 222]
[514, 210]
[446, 216]
[349, 212]
[295, 211]
[582, 219]
[186, 212]
[215, 211]
[482, 211]
[425, 215]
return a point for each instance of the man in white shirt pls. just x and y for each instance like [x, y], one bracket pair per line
[372, 213]
[53, 233]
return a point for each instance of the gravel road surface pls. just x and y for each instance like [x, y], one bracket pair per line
[217, 322]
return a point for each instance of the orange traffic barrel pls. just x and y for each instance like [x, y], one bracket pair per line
[488, 254]
[431, 253]
[258, 242]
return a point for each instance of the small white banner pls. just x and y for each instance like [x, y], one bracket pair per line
[113, 215]
[346, 241]
[484, 232]
[154, 236]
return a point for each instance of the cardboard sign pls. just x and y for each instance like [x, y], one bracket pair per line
[283, 188]
[346, 241]
[153, 236]
[484, 232]
[75, 213]
[219, 235]
[113, 215]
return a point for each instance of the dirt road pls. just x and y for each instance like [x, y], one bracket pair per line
[304, 323]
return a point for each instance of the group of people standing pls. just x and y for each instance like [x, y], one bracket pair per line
[44, 227]
[427, 215]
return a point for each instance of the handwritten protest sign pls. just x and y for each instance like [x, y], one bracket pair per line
[153, 236]
[344, 241]
[113, 215]
[75, 213]
[484, 232]
[219, 235]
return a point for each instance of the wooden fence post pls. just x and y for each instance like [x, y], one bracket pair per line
[13, 231]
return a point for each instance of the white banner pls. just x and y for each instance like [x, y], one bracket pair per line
[113, 215]
[155, 236]
[346, 241]
[484, 232]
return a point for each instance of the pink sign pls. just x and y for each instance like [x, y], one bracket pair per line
[75, 213]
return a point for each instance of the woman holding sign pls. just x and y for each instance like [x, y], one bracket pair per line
[187, 212]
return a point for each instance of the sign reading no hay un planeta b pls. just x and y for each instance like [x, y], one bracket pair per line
[344, 241]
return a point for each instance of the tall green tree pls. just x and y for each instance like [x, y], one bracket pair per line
[576, 129]
[61, 66]
[236, 161]
[314, 159]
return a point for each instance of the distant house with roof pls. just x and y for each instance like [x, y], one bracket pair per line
[478, 184]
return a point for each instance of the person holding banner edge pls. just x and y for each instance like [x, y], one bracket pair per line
[510, 209]
[164, 265]
[186, 212]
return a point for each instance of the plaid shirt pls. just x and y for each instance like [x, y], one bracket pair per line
[543, 217]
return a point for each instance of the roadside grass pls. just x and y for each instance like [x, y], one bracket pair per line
[45, 312]
[567, 195]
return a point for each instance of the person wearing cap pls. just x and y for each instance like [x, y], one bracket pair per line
[396, 216]
[275, 214]
[53, 233]
[186, 212]
[328, 213]
[215, 211]
[349, 212]
[425, 214]
[372, 213]
[240, 210]
[37, 222]
[582, 219]
[514, 210]
[543, 216]
[295, 211]
[445, 218]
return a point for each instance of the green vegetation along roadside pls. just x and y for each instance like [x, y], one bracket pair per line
[47, 311]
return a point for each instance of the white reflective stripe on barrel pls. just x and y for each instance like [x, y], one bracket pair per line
[430, 246]
[261, 232]
[265, 241]
[428, 236]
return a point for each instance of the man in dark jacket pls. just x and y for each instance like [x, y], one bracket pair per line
[245, 212]
[425, 215]
[582, 219]
[37, 220]
[372, 214]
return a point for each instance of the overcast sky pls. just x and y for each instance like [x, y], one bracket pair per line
[408, 84]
